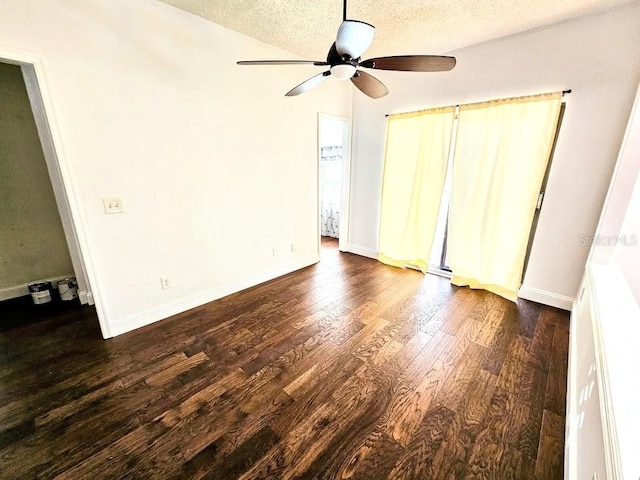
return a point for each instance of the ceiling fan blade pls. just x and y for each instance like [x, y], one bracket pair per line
[411, 63]
[354, 37]
[281, 62]
[308, 84]
[369, 85]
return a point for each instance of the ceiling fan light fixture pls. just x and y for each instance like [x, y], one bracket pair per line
[343, 71]
[343, 60]
[354, 37]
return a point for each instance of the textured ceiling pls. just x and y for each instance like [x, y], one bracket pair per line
[308, 27]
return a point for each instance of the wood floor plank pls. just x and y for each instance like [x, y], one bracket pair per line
[17, 432]
[416, 389]
[201, 399]
[555, 399]
[542, 341]
[119, 457]
[357, 406]
[75, 406]
[75, 436]
[373, 457]
[245, 455]
[431, 311]
[451, 459]
[281, 460]
[550, 452]
[316, 391]
[532, 393]
[368, 350]
[491, 454]
[489, 324]
[512, 372]
[274, 351]
[502, 338]
[144, 372]
[457, 377]
[417, 460]
[172, 372]
[238, 413]
[348, 369]
[528, 315]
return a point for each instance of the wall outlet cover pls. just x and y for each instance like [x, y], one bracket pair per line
[113, 205]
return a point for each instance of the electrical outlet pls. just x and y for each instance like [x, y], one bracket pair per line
[293, 247]
[165, 282]
[113, 205]
[276, 251]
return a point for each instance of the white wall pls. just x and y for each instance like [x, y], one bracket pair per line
[620, 191]
[627, 253]
[618, 239]
[626, 186]
[330, 132]
[597, 57]
[214, 165]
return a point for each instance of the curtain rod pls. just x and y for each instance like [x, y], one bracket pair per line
[564, 92]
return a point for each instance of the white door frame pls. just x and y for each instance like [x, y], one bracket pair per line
[345, 180]
[35, 75]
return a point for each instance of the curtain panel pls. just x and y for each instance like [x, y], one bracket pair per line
[501, 154]
[415, 168]
[330, 183]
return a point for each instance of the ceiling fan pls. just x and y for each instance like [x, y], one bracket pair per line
[343, 60]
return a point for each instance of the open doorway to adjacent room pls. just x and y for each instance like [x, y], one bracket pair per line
[43, 274]
[334, 148]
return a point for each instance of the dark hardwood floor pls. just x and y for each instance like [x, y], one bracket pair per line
[349, 369]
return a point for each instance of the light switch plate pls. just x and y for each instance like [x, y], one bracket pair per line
[113, 205]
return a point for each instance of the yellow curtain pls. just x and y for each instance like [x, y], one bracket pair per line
[415, 167]
[501, 154]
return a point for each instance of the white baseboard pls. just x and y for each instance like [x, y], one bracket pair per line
[86, 297]
[161, 312]
[546, 298]
[362, 251]
[13, 292]
[23, 289]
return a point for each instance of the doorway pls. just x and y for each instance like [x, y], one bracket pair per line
[334, 148]
[32, 242]
[54, 172]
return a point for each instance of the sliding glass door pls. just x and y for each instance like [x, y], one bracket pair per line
[467, 204]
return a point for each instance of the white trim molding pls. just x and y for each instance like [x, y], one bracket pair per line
[362, 251]
[546, 298]
[602, 437]
[50, 156]
[161, 312]
[616, 331]
[345, 187]
[86, 297]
